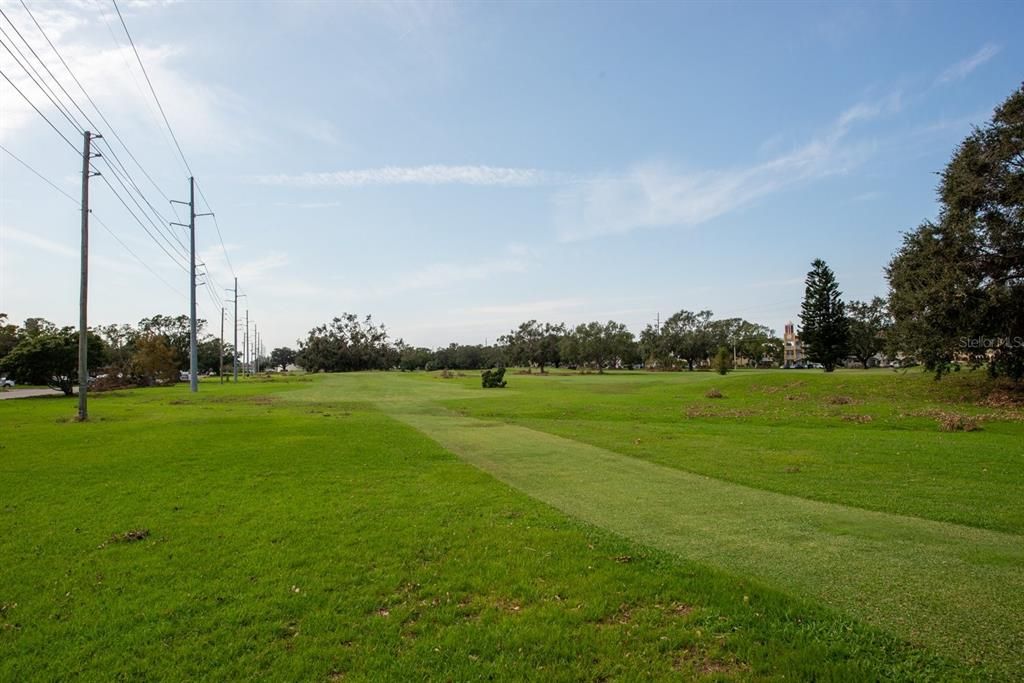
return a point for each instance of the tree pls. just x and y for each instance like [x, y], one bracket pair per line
[51, 357]
[176, 331]
[9, 336]
[533, 343]
[823, 317]
[957, 284]
[153, 361]
[347, 344]
[208, 354]
[282, 357]
[868, 323]
[599, 345]
[686, 336]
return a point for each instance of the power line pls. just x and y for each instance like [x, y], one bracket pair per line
[109, 126]
[156, 225]
[170, 130]
[151, 88]
[33, 73]
[217, 226]
[31, 104]
[38, 174]
[143, 225]
[95, 217]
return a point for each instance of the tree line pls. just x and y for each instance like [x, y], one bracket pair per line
[154, 351]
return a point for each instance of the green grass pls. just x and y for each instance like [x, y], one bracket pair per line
[390, 526]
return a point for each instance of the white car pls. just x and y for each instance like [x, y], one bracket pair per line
[5, 383]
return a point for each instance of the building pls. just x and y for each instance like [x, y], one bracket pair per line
[792, 347]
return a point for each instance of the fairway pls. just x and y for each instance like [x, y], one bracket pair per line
[397, 525]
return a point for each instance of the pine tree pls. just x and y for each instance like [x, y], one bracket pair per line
[825, 330]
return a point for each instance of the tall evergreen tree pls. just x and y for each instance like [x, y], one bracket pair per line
[957, 284]
[825, 329]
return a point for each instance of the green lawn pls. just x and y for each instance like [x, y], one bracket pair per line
[403, 526]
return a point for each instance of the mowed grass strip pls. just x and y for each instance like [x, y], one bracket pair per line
[954, 589]
[238, 535]
[867, 439]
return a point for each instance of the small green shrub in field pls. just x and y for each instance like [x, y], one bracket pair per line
[723, 361]
[493, 379]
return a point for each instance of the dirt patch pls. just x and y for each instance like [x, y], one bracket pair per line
[130, 536]
[839, 401]
[859, 419]
[680, 609]
[713, 393]
[693, 659]
[622, 616]
[697, 411]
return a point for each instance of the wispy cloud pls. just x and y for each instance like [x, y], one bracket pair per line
[434, 174]
[444, 274]
[61, 249]
[963, 68]
[534, 309]
[654, 195]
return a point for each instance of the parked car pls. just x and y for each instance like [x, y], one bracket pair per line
[184, 377]
[6, 383]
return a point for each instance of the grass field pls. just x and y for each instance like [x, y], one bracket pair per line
[403, 526]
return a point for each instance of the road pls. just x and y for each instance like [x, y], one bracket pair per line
[27, 393]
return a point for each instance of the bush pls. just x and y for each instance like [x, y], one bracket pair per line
[723, 361]
[493, 379]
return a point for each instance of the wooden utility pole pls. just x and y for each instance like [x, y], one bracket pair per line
[83, 292]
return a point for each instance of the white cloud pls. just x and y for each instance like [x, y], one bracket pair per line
[529, 309]
[203, 115]
[61, 249]
[434, 174]
[441, 275]
[653, 195]
[963, 68]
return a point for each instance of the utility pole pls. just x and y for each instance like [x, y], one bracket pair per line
[83, 292]
[245, 364]
[193, 346]
[221, 372]
[256, 356]
[234, 354]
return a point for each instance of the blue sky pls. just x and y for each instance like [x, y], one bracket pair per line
[454, 169]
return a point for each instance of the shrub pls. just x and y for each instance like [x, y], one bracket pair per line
[493, 379]
[723, 361]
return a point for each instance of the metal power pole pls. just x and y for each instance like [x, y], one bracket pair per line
[234, 349]
[256, 347]
[245, 363]
[221, 372]
[83, 292]
[193, 350]
[193, 347]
